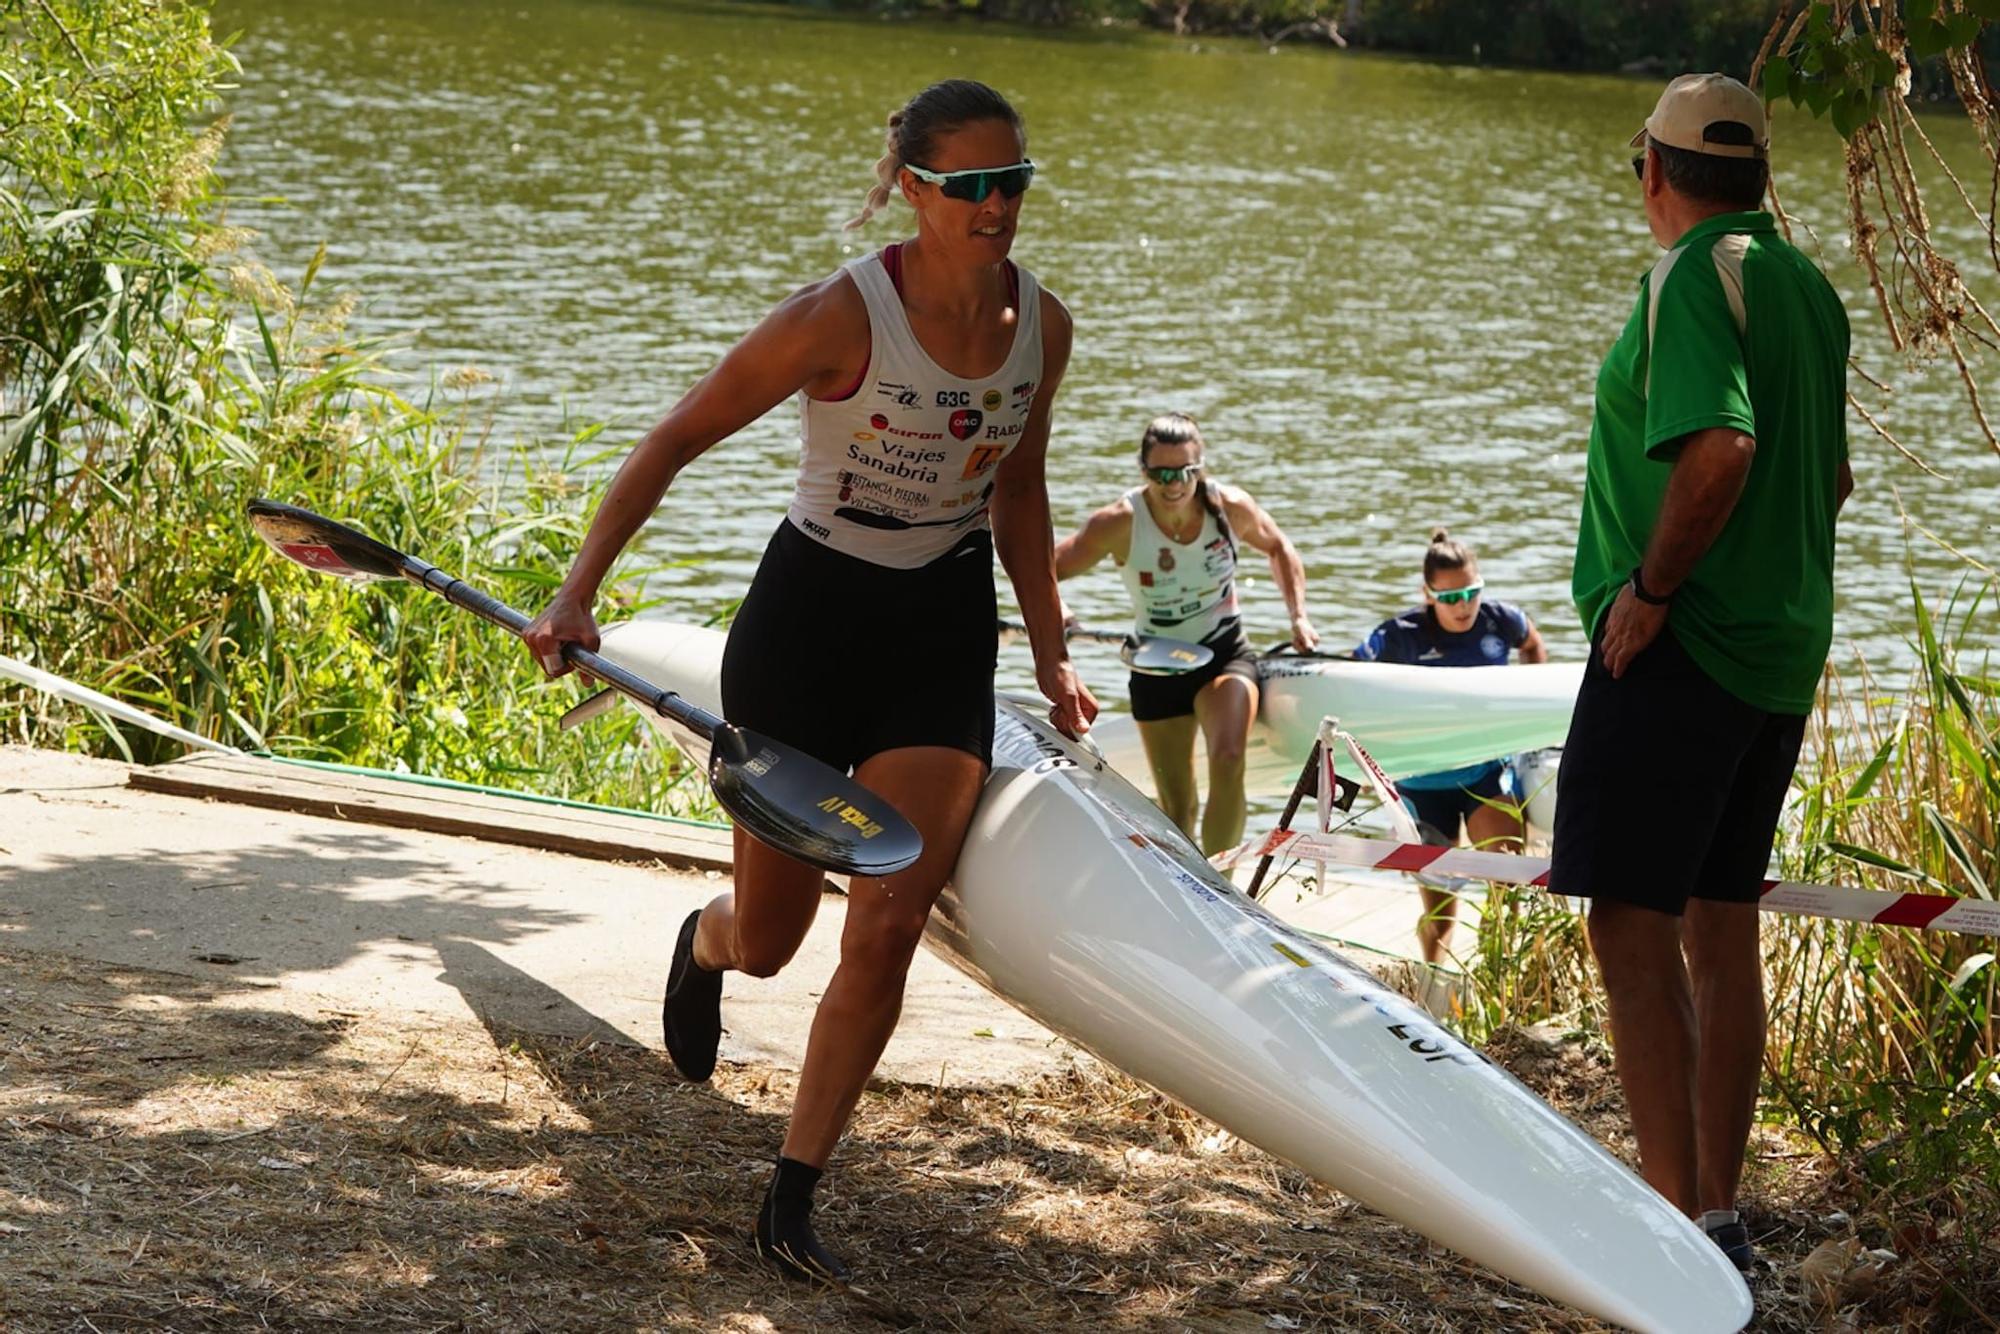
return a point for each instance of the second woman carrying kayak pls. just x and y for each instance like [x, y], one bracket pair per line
[1457, 626]
[1174, 541]
[924, 374]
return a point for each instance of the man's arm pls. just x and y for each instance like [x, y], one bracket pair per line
[1702, 492]
[1844, 487]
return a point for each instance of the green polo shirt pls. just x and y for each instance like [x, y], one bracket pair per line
[1734, 327]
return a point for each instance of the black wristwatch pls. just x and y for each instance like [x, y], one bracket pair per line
[1639, 592]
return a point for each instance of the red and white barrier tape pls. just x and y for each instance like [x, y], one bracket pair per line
[1847, 903]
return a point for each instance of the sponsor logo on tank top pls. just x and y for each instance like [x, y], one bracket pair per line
[1166, 559]
[817, 530]
[1492, 648]
[991, 400]
[900, 461]
[884, 493]
[902, 395]
[886, 427]
[965, 422]
[999, 432]
[954, 398]
[981, 460]
[1024, 395]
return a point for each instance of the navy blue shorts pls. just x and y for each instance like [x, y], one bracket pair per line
[1670, 787]
[1439, 810]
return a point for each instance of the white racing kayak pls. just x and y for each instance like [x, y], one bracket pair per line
[1413, 720]
[1076, 901]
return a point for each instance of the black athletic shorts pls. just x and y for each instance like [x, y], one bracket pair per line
[1670, 786]
[845, 659]
[1158, 698]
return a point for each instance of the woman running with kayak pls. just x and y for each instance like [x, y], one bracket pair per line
[1457, 625]
[1174, 541]
[924, 374]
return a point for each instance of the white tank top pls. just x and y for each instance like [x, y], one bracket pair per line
[1185, 590]
[902, 469]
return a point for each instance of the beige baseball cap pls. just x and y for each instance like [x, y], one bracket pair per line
[1694, 103]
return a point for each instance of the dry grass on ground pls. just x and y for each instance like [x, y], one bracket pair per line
[174, 1156]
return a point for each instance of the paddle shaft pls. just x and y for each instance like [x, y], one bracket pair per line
[666, 703]
[1072, 632]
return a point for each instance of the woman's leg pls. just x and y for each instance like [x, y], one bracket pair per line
[1169, 746]
[757, 926]
[936, 788]
[1434, 927]
[1225, 707]
[1495, 828]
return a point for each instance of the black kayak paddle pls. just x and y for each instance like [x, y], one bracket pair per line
[781, 796]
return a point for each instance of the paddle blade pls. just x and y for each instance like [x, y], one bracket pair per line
[806, 809]
[320, 544]
[1152, 655]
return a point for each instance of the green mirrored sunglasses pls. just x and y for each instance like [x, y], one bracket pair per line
[1451, 597]
[975, 183]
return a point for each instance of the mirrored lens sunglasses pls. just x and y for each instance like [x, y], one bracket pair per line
[974, 184]
[1451, 597]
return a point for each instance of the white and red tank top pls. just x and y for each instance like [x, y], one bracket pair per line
[1184, 590]
[901, 469]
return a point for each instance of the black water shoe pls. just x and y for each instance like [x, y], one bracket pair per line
[691, 1016]
[1727, 1231]
[784, 1235]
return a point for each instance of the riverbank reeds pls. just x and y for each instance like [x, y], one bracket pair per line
[153, 380]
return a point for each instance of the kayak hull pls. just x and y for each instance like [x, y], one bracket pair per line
[1076, 901]
[1413, 720]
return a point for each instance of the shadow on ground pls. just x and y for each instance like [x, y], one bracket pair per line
[172, 1156]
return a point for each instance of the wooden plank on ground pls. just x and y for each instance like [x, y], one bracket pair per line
[246, 780]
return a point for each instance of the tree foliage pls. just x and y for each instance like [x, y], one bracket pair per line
[1855, 65]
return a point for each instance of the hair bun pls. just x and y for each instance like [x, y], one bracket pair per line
[1440, 535]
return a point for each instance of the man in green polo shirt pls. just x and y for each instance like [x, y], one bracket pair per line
[1704, 571]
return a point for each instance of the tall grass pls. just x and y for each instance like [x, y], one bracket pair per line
[1884, 1043]
[152, 382]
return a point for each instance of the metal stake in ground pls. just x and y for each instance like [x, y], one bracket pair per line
[779, 795]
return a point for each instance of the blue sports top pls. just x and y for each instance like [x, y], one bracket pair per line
[1416, 637]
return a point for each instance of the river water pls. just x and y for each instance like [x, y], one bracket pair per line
[1384, 286]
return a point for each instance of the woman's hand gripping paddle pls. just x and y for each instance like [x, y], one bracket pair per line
[781, 796]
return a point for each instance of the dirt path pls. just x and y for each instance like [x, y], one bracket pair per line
[310, 913]
[176, 1156]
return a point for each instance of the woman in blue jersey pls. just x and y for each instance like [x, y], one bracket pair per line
[1174, 541]
[1457, 626]
[924, 374]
